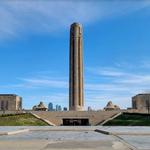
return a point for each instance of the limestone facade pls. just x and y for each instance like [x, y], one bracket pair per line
[76, 95]
[141, 102]
[10, 102]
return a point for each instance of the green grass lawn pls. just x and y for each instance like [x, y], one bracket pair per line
[130, 119]
[20, 120]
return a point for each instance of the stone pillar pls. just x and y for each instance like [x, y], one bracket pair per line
[76, 96]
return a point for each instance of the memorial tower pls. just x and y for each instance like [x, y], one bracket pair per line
[76, 93]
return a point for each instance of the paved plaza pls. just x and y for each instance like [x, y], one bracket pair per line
[75, 138]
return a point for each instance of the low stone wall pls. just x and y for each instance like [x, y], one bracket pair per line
[95, 117]
[12, 112]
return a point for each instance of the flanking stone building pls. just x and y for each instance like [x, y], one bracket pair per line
[141, 102]
[10, 102]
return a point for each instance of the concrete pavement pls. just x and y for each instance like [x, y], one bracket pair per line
[76, 138]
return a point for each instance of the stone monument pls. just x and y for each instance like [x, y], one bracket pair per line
[76, 95]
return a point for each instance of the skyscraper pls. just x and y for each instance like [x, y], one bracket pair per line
[58, 108]
[50, 107]
[76, 95]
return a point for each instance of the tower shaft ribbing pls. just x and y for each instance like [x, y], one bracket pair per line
[76, 97]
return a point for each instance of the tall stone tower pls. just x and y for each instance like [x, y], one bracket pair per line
[76, 94]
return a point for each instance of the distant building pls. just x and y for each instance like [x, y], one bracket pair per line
[50, 107]
[65, 109]
[110, 106]
[141, 102]
[40, 107]
[10, 102]
[58, 108]
[89, 108]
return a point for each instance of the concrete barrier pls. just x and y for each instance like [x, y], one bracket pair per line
[14, 132]
[103, 132]
[122, 133]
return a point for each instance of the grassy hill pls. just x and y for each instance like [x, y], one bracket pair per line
[130, 119]
[20, 120]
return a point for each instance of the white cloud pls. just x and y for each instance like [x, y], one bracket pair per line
[118, 84]
[120, 76]
[106, 71]
[48, 16]
[40, 83]
[105, 87]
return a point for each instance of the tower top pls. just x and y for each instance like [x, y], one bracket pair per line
[76, 24]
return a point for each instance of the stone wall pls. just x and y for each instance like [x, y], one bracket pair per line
[95, 117]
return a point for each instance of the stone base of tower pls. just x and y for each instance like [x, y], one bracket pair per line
[76, 108]
[57, 118]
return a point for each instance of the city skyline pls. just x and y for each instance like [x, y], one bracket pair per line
[34, 46]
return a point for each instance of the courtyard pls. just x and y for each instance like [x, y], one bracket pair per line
[73, 138]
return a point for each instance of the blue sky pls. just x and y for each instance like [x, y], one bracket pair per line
[34, 46]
